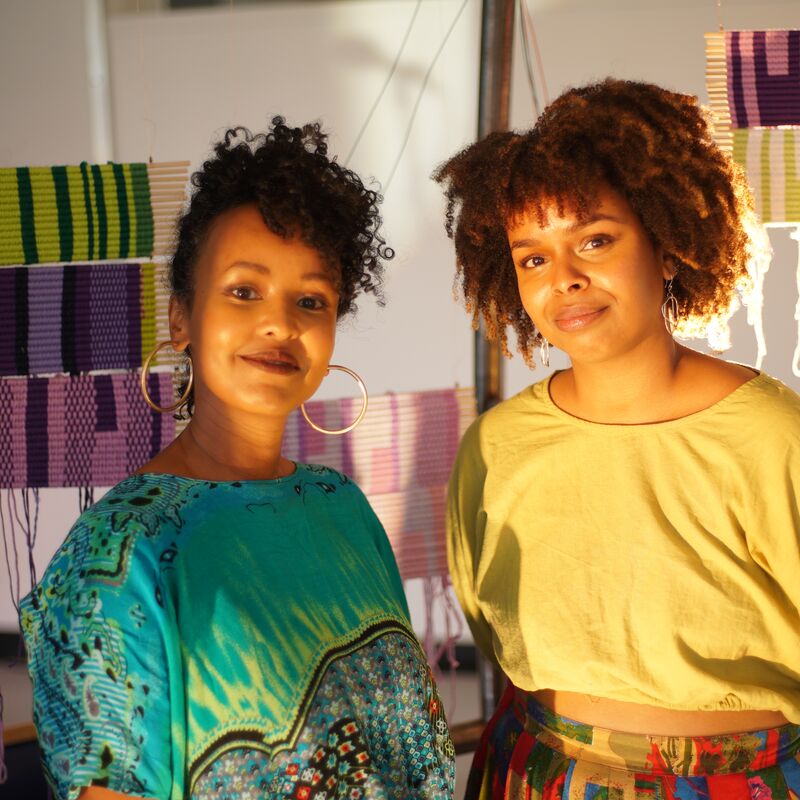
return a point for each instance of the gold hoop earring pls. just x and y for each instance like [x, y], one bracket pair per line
[143, 382]
[364, 395]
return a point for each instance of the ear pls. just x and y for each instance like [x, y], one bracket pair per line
[178, 324]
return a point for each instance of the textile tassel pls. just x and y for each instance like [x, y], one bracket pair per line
[85, 498]
[3, 768]
[22, 516]
[795, 234]
[10, 549]
[754, 300]
[439, 597]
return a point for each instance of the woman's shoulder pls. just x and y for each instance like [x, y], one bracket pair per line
[132, 517]
[531, 402]
[766, 403]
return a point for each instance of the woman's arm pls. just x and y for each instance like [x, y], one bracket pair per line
[98, 793]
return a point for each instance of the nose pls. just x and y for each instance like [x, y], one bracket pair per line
[567, 276]
[279, 320]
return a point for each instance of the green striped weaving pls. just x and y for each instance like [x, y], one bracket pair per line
[771, 158]
[90, 212]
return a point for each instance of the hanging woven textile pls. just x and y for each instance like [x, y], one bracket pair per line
[753, 80]
[76, 332]
[78, 318]
[83, 430]
[90, 212]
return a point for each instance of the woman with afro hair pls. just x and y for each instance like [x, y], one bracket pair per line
[227, 623]
[624, 536]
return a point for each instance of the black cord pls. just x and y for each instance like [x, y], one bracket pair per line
[421, 93]
[386, 82]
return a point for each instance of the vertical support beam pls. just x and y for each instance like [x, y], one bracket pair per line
[497, 38]
[97, 75]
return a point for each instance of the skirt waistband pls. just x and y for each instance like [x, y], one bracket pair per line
[658, 755]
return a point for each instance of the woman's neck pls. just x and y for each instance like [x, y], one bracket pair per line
[652, 385]
[635, 388]
[222, 447]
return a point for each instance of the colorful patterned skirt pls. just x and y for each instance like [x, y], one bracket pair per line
[529, 752]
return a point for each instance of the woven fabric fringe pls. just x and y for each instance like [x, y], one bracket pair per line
[80, 318]
[90, 212]
[86, 430]
[401, 456]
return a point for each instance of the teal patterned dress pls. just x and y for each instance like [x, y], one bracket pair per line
[242, 640]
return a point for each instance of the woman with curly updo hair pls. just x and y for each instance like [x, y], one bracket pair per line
[227, 623]
[624, 536]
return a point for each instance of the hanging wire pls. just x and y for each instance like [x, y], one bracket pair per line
[10, 551]
[719, 15]
[529, 40]
[414, 110]
[386, 82]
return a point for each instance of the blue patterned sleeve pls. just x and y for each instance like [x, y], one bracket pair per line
[98, 653]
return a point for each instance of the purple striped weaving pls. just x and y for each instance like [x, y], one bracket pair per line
[71, 319]
[763, 77]
[86, 430]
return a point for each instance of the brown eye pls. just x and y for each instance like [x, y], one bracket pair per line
[597, 241]
[531, 262]
[311, 303]
[244, 293]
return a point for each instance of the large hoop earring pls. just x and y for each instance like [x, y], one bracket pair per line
[364, 395]
[669, 309]
[143, 382]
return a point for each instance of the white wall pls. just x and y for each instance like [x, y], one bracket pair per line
[178, 79]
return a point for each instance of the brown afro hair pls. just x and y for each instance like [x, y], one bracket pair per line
[654, 147]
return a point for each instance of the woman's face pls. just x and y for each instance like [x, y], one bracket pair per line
[593, 286]
[263, 318]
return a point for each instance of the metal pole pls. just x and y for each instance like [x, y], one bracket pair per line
[497, 38]
[96, 35]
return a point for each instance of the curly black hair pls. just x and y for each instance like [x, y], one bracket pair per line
[300, 192]
[652, 146]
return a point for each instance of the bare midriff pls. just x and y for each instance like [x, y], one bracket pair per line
[637, 718]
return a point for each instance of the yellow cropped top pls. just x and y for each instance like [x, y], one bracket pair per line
[655, 564]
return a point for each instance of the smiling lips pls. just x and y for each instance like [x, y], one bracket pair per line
[573, 318]
[280, 362]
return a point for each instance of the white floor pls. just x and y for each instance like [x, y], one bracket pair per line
[459, 695]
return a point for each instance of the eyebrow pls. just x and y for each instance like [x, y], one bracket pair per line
[571, 229]
[317, 276]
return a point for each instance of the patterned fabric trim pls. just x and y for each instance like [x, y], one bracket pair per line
[375, 729]
[254, 738]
